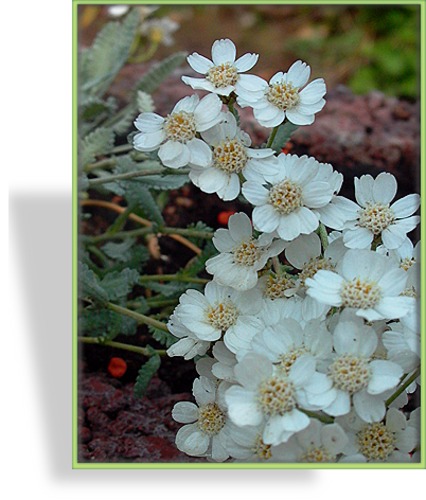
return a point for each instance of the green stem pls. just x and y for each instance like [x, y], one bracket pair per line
[124, 148]
[172, 277]
[116, 236]
[206, 235]
[95, 251]
[272, 136]
[144, 231]
[130, 175]
[106, 163]
[119, 345]
[321, 417]
[401, 389]
[140, 318]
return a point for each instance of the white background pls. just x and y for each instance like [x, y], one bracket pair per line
[35, 354]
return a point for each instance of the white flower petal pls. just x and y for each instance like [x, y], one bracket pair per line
[246, 62]
[369, 408]
[231, 189]
[223, 51]
[364, 190]
[384, 188]
[148, 141]
[313, 92]
[240, 227]
[360, 237]
[255, 193]
[191, 440]
[242, 406]
[266, 218]
[298, 74]
[384, 375]
[185, 412]
[174, 154]
[298, 118]
[149, 122]
[199, 63]
[406, 206]
[201, 154]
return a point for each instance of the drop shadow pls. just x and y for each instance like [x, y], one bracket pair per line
[41, 237]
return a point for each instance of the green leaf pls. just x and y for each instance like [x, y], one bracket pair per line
[169, 289]
[145, 374]
[138, 194]
[165, 338]
[106, 324]
[119, 251]
[165, 182]
[90, 285]
[145, 103]
[92, 107]
[283, 135]
[159, 72]
[98, 142]
[119, 284]
[108, 54]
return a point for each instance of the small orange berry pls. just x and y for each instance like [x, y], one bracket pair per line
[117, 367]
[223, 216]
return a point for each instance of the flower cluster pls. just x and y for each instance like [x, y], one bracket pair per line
[307, 337]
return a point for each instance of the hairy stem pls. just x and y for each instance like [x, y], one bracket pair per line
[402, 388]
[119, 345]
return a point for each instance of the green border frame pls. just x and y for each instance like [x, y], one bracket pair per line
[75, 219]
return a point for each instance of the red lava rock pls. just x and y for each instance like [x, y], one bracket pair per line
[135, 430]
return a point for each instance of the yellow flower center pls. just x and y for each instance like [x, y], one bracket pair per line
[283, 95]
[230, 156]
[360, 294]
[317, 455]
[247, 254]
[312, 267]
[276, 396]
[407, 263]
[222, 75]
[287, 360]
[211, 419]
[376, 442]
[223, 315]
[286, 197]
[262, 450]
[350, 373]
[276, 285]
[376, 217]
[180, 126]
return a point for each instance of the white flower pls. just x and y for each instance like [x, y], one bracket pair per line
[231, 158]
[366, 281]
[403, 346]
[357, 377]
[241, 255]
[305, 253]
[284, 342]
[246, 444]
[207, 432]
[160, 30]
[175, 135]
[318, 443]
[282, 97]
[223, 74]
[288, 206]
[223, 362]
[375, 216]
[389, 441]
[267, 394]
[189, 345]
[221, 311]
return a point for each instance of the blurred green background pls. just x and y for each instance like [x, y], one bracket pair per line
[366, 47]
